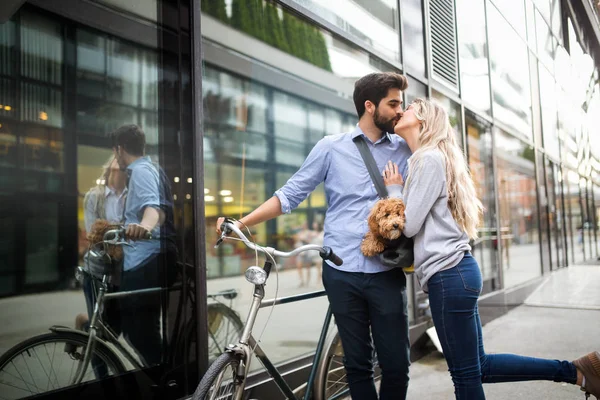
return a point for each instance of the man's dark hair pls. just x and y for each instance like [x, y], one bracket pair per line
[375, 87]
[131, 138]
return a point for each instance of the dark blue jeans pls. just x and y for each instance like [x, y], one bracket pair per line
[365, 305]
[453, 295]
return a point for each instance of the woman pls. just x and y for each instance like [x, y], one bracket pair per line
[104, 201]
[442, 214]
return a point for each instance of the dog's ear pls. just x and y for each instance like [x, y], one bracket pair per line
[373, 221]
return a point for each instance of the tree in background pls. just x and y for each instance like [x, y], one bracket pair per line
[216, 8]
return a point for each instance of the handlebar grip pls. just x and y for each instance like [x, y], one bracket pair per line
[328, 254]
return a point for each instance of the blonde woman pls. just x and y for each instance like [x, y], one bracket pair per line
[105, 201]
[442, 214]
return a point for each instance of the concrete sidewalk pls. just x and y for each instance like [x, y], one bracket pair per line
[560, 320]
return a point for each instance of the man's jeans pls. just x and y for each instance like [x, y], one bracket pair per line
[453, 295]
[141, 312]
[365, 304]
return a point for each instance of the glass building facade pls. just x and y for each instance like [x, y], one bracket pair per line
[232, 95]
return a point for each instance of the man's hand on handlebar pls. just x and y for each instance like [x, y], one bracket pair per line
[137, 232]
[220, 222]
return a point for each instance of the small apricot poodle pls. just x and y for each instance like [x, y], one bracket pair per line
[96, 235]
[386, 222]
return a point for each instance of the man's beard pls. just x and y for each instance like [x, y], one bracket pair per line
[386, 125]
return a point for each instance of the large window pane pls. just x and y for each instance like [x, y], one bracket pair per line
[510, 75]
[549, 112]
[474, 69]
[514, 12]
[373, 22]
[274, 36]
[412, 38]
[64, 87]
[454, 114]
[479, 150]
[519, 226]
[546, 43]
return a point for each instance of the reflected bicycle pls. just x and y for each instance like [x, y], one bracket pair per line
[62, 357]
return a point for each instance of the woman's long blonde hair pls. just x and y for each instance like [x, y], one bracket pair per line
[436, 133]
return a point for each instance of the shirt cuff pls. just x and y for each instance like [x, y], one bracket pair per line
[285, 204]
[395, 191]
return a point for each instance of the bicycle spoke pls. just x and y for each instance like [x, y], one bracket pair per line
[20, 376]
[42, 365]
[30, 374]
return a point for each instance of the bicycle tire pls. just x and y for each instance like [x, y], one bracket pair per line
[215, 375]
[26, 348]
[215, 349]
[331, 372]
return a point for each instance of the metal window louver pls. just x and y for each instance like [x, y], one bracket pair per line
[443, 41]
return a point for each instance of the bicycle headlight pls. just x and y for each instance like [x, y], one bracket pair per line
[256, 275]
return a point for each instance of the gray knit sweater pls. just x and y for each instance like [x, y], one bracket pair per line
[440, 243]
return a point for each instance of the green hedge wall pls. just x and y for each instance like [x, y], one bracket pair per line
[262, 20]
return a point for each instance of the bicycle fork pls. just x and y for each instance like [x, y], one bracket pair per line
[89, 349]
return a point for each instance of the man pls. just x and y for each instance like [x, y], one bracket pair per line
[148, 209]
[366, 297]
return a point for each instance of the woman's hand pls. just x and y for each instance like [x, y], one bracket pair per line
[391, 175]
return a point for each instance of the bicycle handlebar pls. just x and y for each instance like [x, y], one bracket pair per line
[117, 236]
[325, 252]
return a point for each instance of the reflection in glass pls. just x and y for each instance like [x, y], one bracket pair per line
[549, 112]
[415, 90]
[473, 51]
[546, 47]
[510, 75]
[557, 245]
[514, 12]
[454, 114]
[373, 22]
[412, 37]
[274, 36]
[517, 204]
[291, 118]
[479, 150]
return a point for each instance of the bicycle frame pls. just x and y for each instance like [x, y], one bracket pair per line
[96, 324]
[247, 344]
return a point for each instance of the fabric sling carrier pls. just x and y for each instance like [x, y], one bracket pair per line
[399, 253]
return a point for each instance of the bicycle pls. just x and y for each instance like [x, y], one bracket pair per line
[226, 377]
[65, 354]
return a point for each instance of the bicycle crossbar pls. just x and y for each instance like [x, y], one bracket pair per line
[292, 299]
[116, 295]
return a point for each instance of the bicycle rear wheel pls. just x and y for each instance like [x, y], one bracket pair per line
[331, 374]
[48, 362]
[220, 381]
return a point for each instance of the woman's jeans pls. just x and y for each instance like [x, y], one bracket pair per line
[453, 295]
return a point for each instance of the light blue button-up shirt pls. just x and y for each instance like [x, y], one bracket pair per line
[349, 191]
[143, 191]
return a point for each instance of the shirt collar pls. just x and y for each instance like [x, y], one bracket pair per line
[357, 131]
[141, 160]
[108, 191]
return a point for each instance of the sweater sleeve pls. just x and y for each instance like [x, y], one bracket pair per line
[424, 189]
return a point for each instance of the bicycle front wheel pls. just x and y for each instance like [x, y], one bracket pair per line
[49, 362]
[220, 381]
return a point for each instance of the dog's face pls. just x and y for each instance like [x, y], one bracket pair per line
[387, 218]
